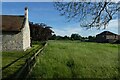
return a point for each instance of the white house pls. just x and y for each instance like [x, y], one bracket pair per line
[15, 32]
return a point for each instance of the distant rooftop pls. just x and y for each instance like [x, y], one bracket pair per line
[107, 33]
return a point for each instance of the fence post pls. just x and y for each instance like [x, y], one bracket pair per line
[29, 64]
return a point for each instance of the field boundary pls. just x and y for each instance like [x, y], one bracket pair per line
[24, 72]
[26, 68]
[3, 68]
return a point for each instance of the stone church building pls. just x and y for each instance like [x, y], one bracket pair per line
[15, 32]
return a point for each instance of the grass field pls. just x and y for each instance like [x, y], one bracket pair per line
[74, 59]
[10, 56]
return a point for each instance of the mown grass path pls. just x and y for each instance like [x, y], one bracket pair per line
[74, 59]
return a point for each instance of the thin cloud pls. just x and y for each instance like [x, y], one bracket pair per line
[75, 28]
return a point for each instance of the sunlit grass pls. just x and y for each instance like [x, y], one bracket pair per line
[74, 59]
[9, 57]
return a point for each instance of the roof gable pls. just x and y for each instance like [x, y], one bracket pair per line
[12, 23]
[107, 33]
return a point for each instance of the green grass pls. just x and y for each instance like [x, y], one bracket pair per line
[74, 59]
[8, 57]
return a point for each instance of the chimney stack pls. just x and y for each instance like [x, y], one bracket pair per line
[26, 12]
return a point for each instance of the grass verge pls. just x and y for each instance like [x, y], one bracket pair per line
[9, 57]
[74, 59]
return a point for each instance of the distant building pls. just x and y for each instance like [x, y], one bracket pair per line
[15, 32]
[107, 36]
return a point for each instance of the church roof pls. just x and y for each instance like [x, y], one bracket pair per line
[12, 22]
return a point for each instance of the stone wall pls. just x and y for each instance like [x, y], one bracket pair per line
[16, 40]
[12, 41]
[26, 35]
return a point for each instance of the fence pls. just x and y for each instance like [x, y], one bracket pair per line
[25, 70]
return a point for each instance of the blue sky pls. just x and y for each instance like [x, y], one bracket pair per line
[44, 12]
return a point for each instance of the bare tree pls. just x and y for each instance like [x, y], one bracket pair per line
[89, 14]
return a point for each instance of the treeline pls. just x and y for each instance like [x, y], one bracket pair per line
[74, 37]
[40, 31]
[43, 32]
